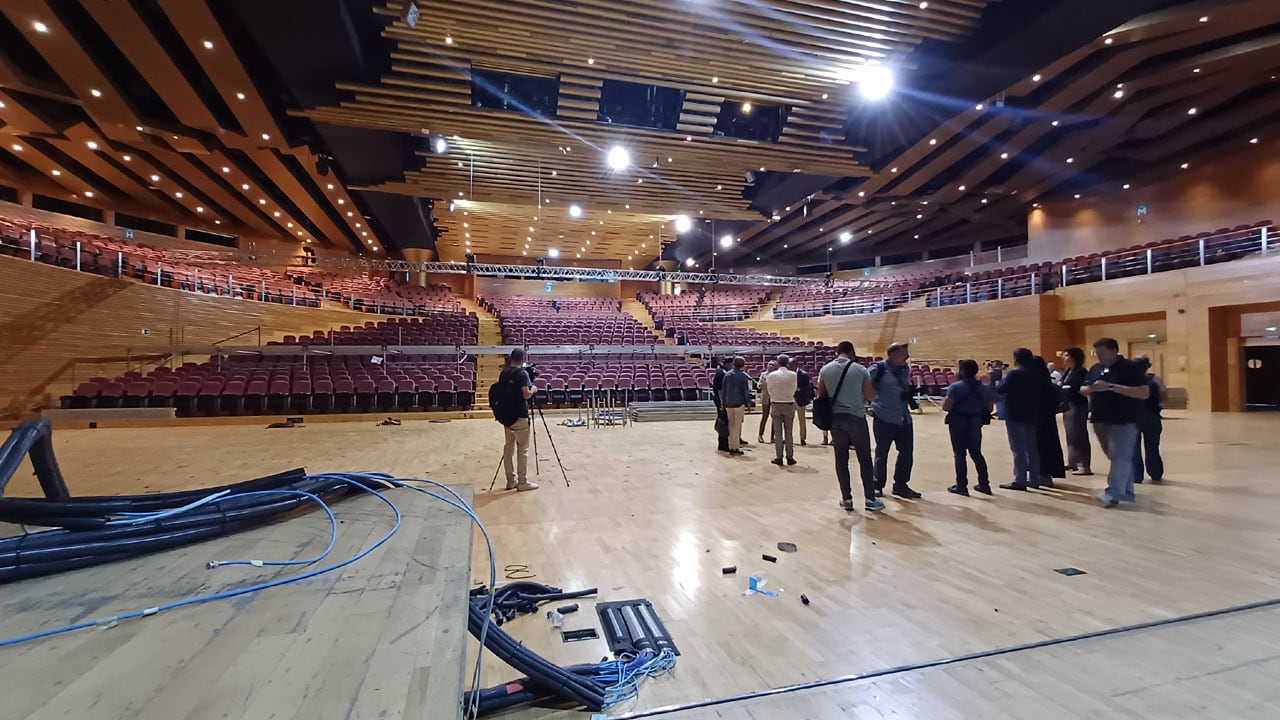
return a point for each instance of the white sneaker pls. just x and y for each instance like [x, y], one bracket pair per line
[512, 484]
[526, 485]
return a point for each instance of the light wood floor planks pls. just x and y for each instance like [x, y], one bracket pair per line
[654, 512]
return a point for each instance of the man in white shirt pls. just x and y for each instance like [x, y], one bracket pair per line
[782, 385]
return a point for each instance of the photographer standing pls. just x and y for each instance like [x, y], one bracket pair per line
[894, 400]
[509, 399]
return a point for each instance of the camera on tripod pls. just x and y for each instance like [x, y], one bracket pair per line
[531, 369]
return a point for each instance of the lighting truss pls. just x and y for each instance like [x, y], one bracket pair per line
[562, 273]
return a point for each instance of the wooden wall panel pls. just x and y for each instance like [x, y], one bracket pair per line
[501, 286]
[982, 331]
[59, 327]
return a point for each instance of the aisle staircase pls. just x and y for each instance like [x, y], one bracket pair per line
[488, 367]
[637, 310]
[765, 312]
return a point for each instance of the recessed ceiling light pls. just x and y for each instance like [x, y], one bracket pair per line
[341, 201]
[1204, 18]
[226, 169]
[40, 27]
[715, 79]
[917, 237]
[288, 224]
[1191, 111]
[962, 188]
[1077, 196]
[208, 44]
[239, 96]
[138, 128]
[276, 213]
[984, 201]
[1253, 141]
[1004, 156]
[217, 222]
[1055, 123]
[244, 186]
[1195, 70]
[88, 193]
[924, 6]
[266, 136]
[919, 217]
[199, 209]
[1035, 78]
[933, 141]
[1117, 94]
[92, 145]
[979, 106]
[56, 173]
[262, 201]
[1070, 160]
[746, 108]
[591, 61]
[329, 186]
[349, 213]
[357, 224]
[178, 195]
[1126, 186]
[448, 40]
[155, 178]
[1184, 166]
[1108, 41]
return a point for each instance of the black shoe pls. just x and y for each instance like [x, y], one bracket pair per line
[1157, 480]
[723, 448]
[1137, 481]
[777, 461]
[905, 492]
[803, 443]
[736, 452]
[1046, 482]
[984, 488]
[791, 461]
[743, 443]
[1014, 486]
[958, 490]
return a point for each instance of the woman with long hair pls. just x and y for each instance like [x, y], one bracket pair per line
[1076, 418]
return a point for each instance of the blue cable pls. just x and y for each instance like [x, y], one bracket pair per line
[333, 533]
[112, 620]
[139, 518]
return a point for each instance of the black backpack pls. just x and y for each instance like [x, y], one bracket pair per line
[506, 398]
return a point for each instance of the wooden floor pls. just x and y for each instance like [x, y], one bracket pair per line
[654, 512]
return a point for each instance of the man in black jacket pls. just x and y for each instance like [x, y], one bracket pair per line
[804, 397]
[722, 418]
[1023, 392]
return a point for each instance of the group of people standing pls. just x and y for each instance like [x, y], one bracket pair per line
[1119, 396]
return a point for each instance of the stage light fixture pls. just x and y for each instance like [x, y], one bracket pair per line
[553, 252]
[846, 236]
[683, 223]
[619, 159]
[575, 211]
[726, 241]
[876, 82]
[440, 145]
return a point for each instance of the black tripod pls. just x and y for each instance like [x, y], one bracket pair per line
[537, 466]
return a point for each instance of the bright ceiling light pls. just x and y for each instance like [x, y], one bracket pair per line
[962, 188]
[155, 178]
[178, 195]
[726, 241]
[746, 108]
[199, 209]
[244, 186]
[1117, 94]
[40, 27]
[1108, 41]
[619, 158]
[924, 6]
[1253, 141]
[575, 211]
[448, 39]
[127, 158]
[440, 145]
[1035, 78]
[846, 236]
[208, 44]
[1004, 156]
[553, 252]
[876, 82]
[1204, 18]
[979, 106]
[95, 92]
[1192, 111]
[239, 96]
[88, 193]
[1126, 186]
[1184, 166]
[683, 223]
[56, 173]
[689, 262]
[1070, 160]
[92, 145]
[266, 136]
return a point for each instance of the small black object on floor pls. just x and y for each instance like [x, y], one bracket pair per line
[787, 547]
[1070, 571]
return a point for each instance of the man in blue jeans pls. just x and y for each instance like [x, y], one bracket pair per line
[892, 425]
[1022, 391]
[1116, 389]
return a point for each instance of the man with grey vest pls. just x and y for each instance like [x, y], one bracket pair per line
[849, 387]
[894, 400]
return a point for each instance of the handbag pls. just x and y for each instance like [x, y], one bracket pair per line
[823, 410]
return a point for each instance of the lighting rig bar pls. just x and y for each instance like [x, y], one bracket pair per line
[556, 272]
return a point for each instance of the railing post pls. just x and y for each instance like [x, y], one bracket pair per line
[1149, 264]
[999, 254]
[1064, 275]
[881, 303]
[159, 271]
[999, 288]
[1265, 239]
[295, 295]
[968, 293]
[119, 264]
[1104, 268]
[939, 297]
[1035, 280]
[262, 296]
[33, 245]
[1201, 243]
[230, 285]
[77, 256]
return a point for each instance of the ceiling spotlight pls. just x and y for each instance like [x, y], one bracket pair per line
[56, 173]
[40, 27]
[591, 61]
[178, 195]
[924, 6]
[553, 252]
[155, 178]
[683, 223]
[979, 106]
[862, 193]
[1191, 111]
[1117, 94]
[726, 241]
[933, 141]
[1070, 160]
[715, 79]
[746, 108]
[262, 201]
[88, 193]
[440, 145]
[448, 40]
[619, 159]
[208, 44]
[1204, 18]
[276, 213]
[876, 82]
[1108, 41]
[689, 262]
[341, 201]
[95, 92]
[266, 136]
[92, 145]
[846, 236]
[239, 96]
[1035, 78]
[1253, 141]
[575, 211]
[1055, 123]
[1184, 166]
[1195, 70]
[984, 201]
[962, 188]
[1077, 196]
[244, 186]
[1126, 186]
[1004, 156]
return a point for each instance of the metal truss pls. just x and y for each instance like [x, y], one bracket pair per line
[556, 272]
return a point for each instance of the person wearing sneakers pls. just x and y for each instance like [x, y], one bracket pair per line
[891, 426]
[1116, 388]
[781, 384]
[764, 399]
[968, 407]
[849, 387]
[734, 394]
[517, 433]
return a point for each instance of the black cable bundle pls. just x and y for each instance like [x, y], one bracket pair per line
[86, 538]
[544, 679]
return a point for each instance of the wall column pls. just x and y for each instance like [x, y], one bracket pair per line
[419, 255]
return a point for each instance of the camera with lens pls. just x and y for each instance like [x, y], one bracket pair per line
[531, 369]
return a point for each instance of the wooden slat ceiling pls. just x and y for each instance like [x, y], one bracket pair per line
[235, 175]
[1126, 98]
[797, 53]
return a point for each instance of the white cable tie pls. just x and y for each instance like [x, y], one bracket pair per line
[256, 563]
[108, 622]
[150, 611]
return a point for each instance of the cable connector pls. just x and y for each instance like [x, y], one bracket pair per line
[211, 565]
[256, 563]
[150, 611]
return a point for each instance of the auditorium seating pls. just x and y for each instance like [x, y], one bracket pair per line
[855, 297]
[574, 379]
[527, 320]
[252, 385]
[713, 305]
[437, 329]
